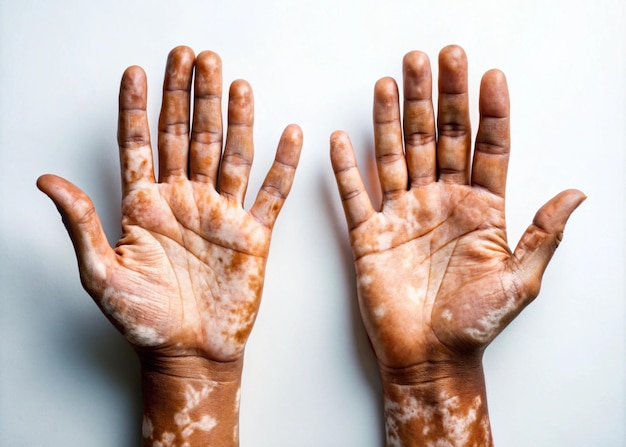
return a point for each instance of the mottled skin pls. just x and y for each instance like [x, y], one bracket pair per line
[184, 282]
[436, 279]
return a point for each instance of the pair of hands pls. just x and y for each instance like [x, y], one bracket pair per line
[436, 278]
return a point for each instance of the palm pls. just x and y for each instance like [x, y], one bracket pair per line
[440, 233]
[187, 275]
[435, 275]
[175, 261]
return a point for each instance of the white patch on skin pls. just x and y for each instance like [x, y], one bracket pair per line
[237, 399]
[457, 427]
[193, 398]
[237, 405]
[414, 294]
[206, 423]
[167, 440]
[136, 333]
[96, 267]
[492, 322]
[384, 241]
[146, 427]
[365, 280]
[456, 422]
[398, 414]
[145, 335]
[380, 311]
[446, 315]
[235, 315]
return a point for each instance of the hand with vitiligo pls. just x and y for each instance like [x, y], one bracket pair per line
[184, 282]
[436, 279]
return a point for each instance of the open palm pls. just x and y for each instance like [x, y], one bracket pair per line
[187, 274]
[435, 275]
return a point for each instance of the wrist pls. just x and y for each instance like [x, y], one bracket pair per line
[190, 401]
[436, 403]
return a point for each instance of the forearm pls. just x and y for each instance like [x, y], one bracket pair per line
[191, 402]
[438, 404]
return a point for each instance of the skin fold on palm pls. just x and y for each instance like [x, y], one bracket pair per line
[436, 278]
[186, 277]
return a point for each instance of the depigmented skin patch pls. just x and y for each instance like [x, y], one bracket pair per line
[450, 422]
[181, 411]
[443, 250]
[183, 241]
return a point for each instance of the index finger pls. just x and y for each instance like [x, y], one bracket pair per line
[280, 177]
[133, 133]
[493, 140]
[357, 205]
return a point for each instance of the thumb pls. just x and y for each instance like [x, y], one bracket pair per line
[542, 237]
[83, 226]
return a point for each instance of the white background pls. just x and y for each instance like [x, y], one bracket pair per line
[555, 377]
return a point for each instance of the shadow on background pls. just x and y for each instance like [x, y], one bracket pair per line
[363, 349]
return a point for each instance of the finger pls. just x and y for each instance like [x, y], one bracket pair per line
[93, 251]
[419, 119]
[357, 205]
[539, 242]
[453, 120]
[390, 161]
[493, 140]
[206, 134]
[174, 117]
[239, 149]
[133, 133]
[279, 179]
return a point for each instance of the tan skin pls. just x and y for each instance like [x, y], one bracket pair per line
[436, 279]
[184, 282]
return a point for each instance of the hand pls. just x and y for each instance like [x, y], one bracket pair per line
[186, 276]
[184, 282]
[436, 279]
[435, 274]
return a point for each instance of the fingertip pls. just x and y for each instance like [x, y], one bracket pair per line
[208, 67]
[294, 133]
[42, 182]
[240, 103]
[416, 62]
[572, 199]
[290, 146]
[495, 76]
[417, 76]
[577, 195]
[341, 153]
[386, 101]
[209, 59]
[240, 88]
[133, 74]
[338, 139]
[385, 89]
[54, 186]
[494, 94]
[293, 137]
[553, 216]
[133, 88]
[240, 93]
[181, 54]
[452, 69]
[453, 56]
[452, 51]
